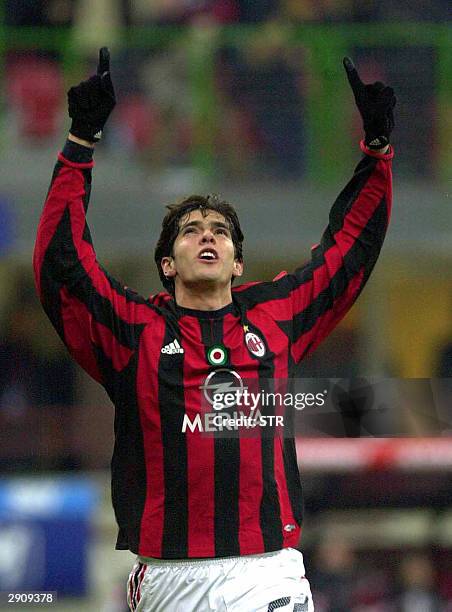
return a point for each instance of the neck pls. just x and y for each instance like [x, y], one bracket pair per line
[203, 298]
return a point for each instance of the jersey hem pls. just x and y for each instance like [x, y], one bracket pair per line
[207, 553]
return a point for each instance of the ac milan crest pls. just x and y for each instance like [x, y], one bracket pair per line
[254, 344]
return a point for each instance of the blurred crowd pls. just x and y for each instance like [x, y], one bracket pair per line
[37, 391]
[255, 118]
[64, 12]
[344, 579]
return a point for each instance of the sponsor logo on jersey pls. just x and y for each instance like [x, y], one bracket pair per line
[254, 344]
[172, 348]
[219, 383]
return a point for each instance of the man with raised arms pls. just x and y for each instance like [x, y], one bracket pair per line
[214, 521]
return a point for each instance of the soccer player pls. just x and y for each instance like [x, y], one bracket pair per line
[214, 520]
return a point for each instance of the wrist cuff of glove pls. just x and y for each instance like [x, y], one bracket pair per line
[365, 149]
[77, 153]
[85, 132]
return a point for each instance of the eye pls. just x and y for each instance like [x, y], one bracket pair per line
[189, 230]
[222, 230]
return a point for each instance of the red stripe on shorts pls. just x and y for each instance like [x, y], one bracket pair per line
[133, 585]
[140, 580]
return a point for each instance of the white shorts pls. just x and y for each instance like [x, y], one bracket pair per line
[254, 583]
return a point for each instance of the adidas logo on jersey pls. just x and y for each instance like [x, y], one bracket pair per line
[172, 348]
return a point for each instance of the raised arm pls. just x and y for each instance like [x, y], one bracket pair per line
[309, 303]
[324, 289]
[99, 320]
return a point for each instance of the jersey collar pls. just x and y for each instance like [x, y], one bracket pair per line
[204, 314]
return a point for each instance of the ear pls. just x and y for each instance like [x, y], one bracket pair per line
[238, 268]
[168, 267]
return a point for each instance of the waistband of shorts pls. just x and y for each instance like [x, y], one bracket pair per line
[206, 561]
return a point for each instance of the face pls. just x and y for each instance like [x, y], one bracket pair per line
[203, 251]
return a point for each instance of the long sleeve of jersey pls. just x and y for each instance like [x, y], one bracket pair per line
[90, 311]
[309, 303]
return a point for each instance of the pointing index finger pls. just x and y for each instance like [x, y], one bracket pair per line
[352, 74]
[104, 61]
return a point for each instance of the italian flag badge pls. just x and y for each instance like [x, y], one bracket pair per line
[217, 355]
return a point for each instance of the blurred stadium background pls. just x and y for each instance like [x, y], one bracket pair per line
[247, 99]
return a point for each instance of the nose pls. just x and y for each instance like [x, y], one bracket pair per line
[207, 236]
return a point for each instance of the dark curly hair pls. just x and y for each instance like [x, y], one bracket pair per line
[171, 224]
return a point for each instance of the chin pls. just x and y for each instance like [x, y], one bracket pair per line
[209, 279]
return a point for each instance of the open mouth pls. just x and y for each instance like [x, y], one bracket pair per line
[208, 255]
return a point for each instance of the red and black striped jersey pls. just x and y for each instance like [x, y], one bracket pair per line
[176, 492]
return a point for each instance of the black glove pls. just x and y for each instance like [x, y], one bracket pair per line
[91, 102]
[375, 103]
